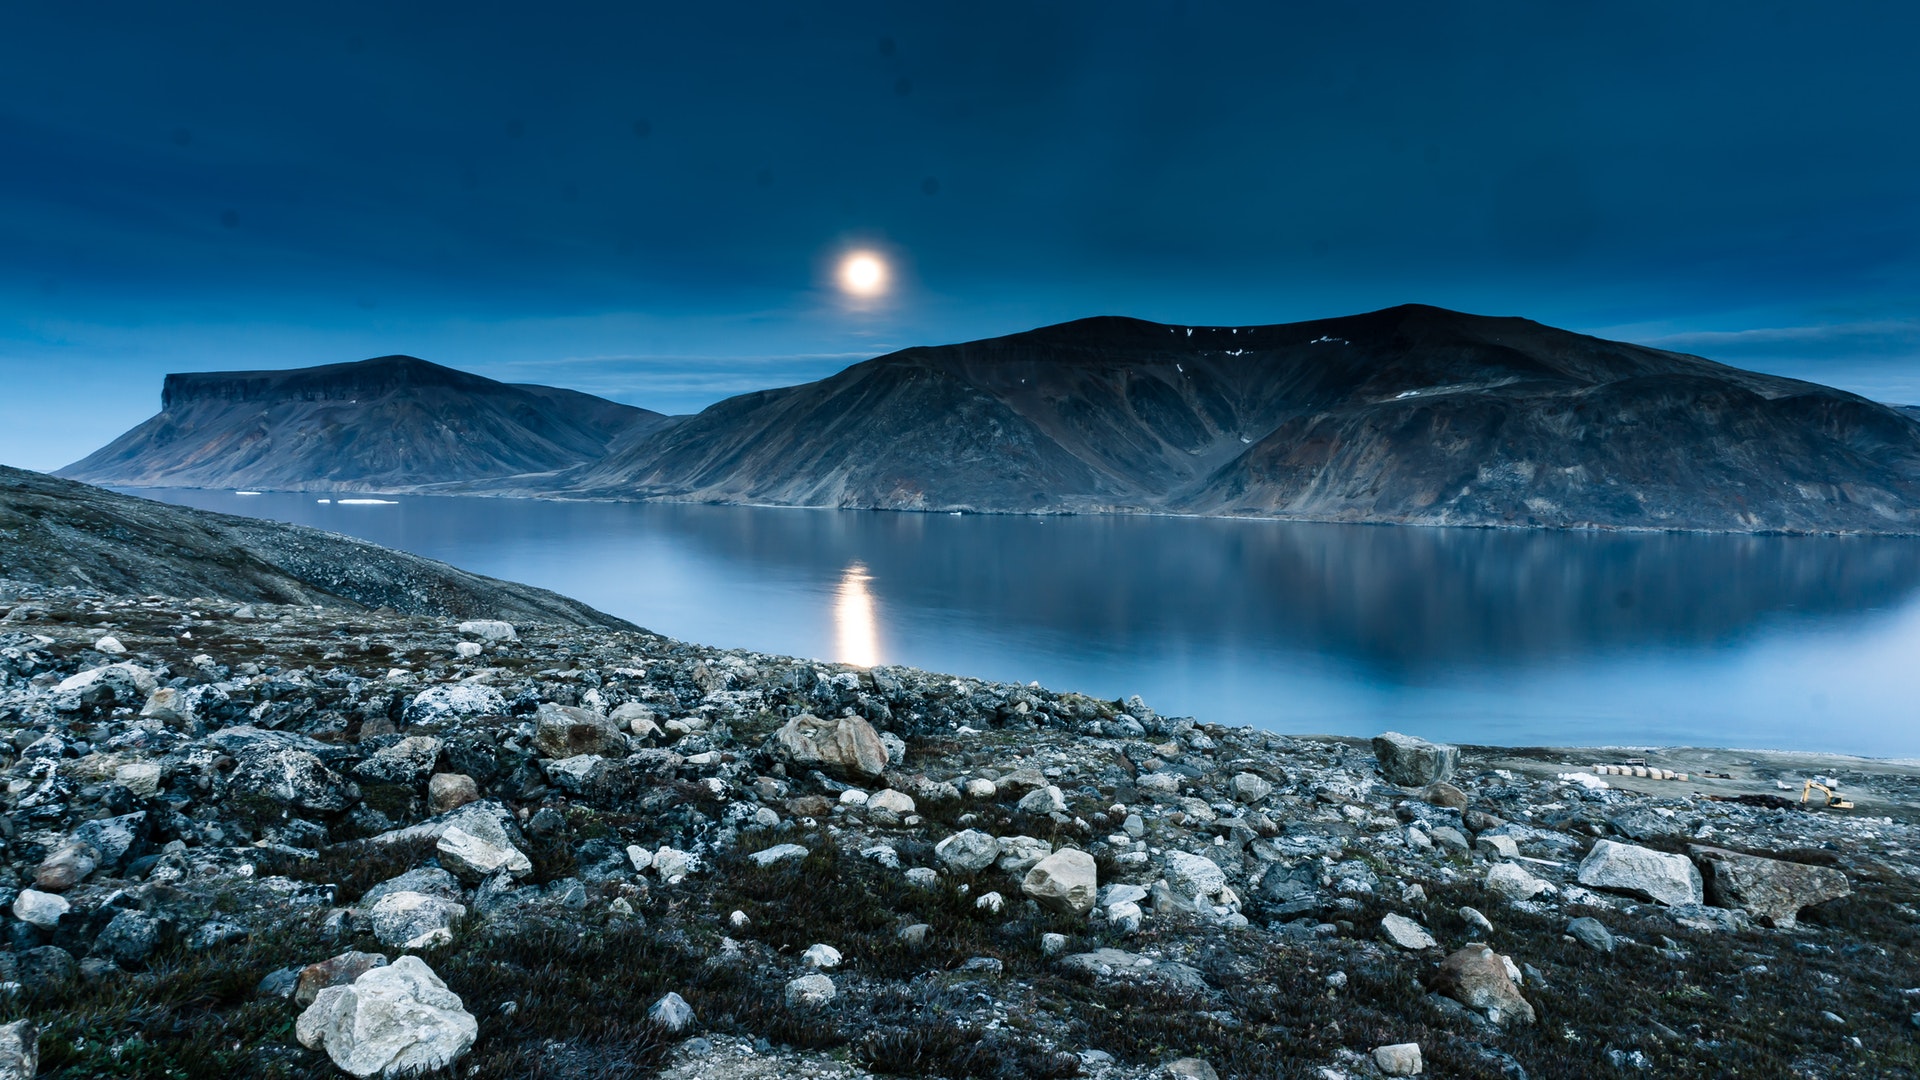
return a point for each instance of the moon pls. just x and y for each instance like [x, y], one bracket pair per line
[863, 274]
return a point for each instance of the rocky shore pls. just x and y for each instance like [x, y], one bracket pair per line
[287, 841]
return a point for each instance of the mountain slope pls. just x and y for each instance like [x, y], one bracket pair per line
[58, 532]
[1412, 414]
[383, 424]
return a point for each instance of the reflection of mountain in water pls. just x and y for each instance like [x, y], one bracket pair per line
[1406, 601]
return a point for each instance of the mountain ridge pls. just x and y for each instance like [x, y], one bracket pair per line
[1408, 415]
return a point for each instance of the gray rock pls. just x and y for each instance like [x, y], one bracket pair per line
[1194, 876]
[1514, 883]
[968, 852]
[1642, 872]
[41, 909]
[1043, 800]
[1411, 762]
[450, 703]
[339, 970]
[46, 966]
[489, 630]
[128, 938]
[562, 731]
[292, 778]
[889, 808]
[777, 853]
[1066, 881]
[810, 991]
[1019, 854]
[410, 919]
[430, 880]
[450, 791]
[478, 847]
[1592, 933]
[1477, 977]
[847, 747]
[408, 761]
[1400, 1059]
[19, 1050]
[1773, 891]
[392, 1021]
[1406, 933]
[216, 932]
[671, 1012]
[1249, 788]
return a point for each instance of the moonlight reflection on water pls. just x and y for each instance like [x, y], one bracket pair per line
[856, 634]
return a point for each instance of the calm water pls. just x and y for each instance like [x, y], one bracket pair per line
[1461, 634]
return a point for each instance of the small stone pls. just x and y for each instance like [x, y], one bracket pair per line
[1479, 978]
[128, 938]
[1066, 881]
[1476, 920]
[888, 808]
[809, 992]
[1019, 854]
[922, 877]
[821, 956]
[1406, 933]
[848, 747]
[467, 650]
[915, 937]
[400, 918]
[110, 645]
[489, 629]
[1053, 944]
[1514, 883]
[1249, 788]
[450, 791]
[67, 866]
[674, 865]
[478, 854]
[979, 788]
[778, 853]
[671, 1012]
[1444, 794]
[1413, 763]
[967, 852]
[1191, 1069]
[1134, 826]
[1592, 933]
[42, 909]
[1497, 847]
[393, 1020]
[562, 731]
[140, 778]
[1194, 876]
[1126, 917]
[1044, 800]
[991, 902]
[1400, 1059]
[19, 1050]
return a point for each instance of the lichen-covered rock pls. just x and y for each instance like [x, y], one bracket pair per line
[478, 847]
[1411, 762]
[1642, 872]
[1066, 881]
[450, 702]
[1478, 978]
[450, 791]
[1406, 933]
[292, 778]
[563, 731]
[339, 970]
[408, 761]
[968, 851]
[403, 919]
[392, 1021]
[810, 991]
[1771, 890]
[41, 909]
[847, 747]
[1195, 877]
[128, 938]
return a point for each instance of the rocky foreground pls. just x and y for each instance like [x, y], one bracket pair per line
[279, 841]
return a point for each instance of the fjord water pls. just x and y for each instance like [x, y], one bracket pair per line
[1471, 635]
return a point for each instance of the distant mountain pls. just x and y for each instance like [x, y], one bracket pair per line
[385, 424]
[62, 533]
[1412, 414]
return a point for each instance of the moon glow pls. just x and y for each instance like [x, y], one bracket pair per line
[863, 274]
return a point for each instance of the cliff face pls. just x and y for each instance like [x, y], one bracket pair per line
[1412, 414]
[383, 424]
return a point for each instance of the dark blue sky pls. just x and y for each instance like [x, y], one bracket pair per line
[646, 201]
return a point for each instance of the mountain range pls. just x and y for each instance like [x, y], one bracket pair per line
[1412, 414]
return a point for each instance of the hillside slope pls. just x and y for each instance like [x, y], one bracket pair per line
[56, 532]
[385, 424]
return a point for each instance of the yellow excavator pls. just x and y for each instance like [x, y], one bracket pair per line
[1833, 801]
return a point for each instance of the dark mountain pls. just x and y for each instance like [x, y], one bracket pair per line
[62, 533]
[1413, 414]
[385, 424]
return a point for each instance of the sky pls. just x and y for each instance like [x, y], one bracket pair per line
[648, 201]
